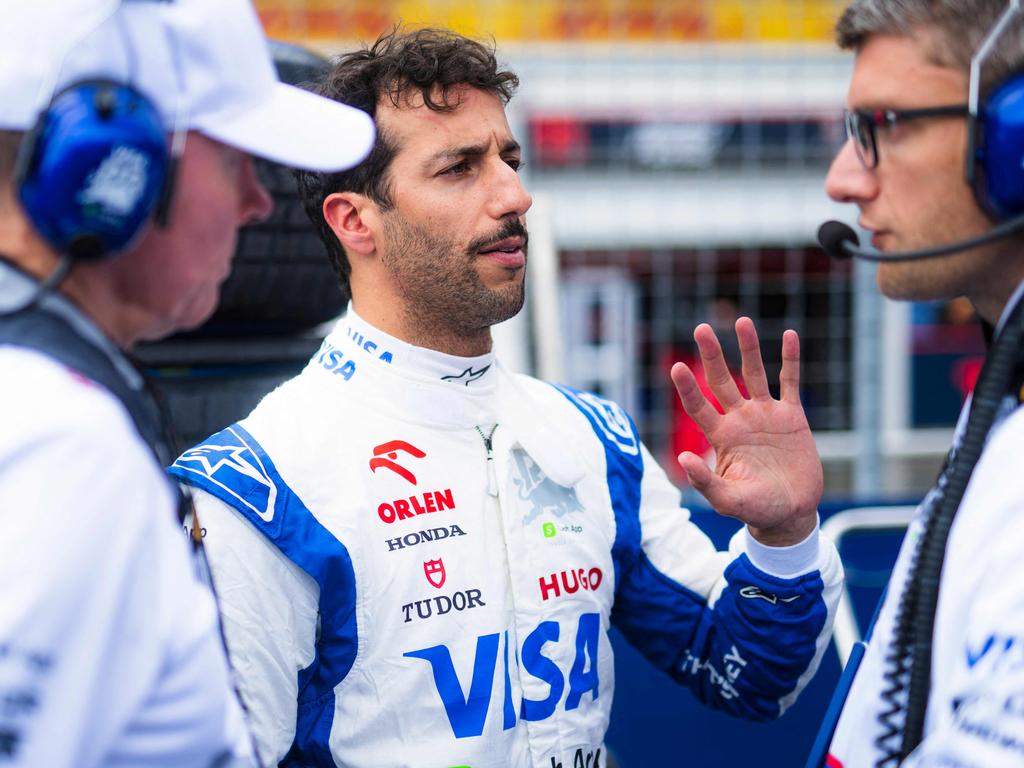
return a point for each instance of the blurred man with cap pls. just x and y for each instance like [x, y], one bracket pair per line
[126, 136]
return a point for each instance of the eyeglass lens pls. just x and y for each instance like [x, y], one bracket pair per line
[861, 130]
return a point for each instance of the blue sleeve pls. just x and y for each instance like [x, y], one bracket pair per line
[232, 466]
[746, 651]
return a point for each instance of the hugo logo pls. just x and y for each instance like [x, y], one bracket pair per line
[571, 581]
[384, 455]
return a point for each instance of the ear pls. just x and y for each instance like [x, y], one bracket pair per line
[350, 216]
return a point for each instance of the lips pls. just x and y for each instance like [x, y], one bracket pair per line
[508, 245]
[508, 252]
[876, 234]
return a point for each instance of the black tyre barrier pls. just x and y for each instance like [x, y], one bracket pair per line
[281, 281]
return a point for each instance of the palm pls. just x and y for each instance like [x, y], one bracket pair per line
[767, 473]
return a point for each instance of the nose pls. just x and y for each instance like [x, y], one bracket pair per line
[509, 197]
[848, 181]
[254, 202]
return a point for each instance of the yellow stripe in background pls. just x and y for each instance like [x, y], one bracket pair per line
[774, 21]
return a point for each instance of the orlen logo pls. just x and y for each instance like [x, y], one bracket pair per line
[385, 454]
[434, 571]
[425, 503]
[569, 582]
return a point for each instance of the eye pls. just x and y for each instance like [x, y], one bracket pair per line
[458, 169]
[514, 163]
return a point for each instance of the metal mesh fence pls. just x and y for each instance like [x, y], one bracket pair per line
[680, 147]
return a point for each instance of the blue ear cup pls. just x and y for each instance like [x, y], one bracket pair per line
[94, 168]
[999, 159]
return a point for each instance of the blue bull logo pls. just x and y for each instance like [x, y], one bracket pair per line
[541, 492]
[467, 711]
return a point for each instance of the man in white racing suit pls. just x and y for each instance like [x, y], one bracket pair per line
[420, 554]
[942, 682]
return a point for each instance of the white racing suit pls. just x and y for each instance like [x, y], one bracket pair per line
[401, 586]
[975, 716]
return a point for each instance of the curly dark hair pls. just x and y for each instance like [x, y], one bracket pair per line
[429, 62]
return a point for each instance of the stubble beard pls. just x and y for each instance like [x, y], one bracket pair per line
[442, 293]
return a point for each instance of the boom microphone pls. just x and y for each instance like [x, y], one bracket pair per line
[839, 241]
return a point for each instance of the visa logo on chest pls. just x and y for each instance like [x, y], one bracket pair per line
[467, 709]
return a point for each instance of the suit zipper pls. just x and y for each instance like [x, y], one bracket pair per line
[492, 478]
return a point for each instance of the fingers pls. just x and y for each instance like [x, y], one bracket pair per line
[753, 366]
[704, 480]
[693, 400]
[716, 370]
[789, 378]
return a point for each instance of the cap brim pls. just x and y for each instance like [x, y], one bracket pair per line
[295, 128]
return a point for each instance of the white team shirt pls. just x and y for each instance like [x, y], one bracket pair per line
[975, 715]
[110, 653]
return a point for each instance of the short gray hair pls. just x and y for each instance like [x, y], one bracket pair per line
[961, 26]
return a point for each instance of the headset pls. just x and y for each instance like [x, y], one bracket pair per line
[97, 165]
[994, 163]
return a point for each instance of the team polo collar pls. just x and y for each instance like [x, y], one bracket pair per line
[353, 333]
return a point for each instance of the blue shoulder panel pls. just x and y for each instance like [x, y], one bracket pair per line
[624, 470]
[232, 466]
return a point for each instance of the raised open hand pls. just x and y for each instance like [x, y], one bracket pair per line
[767, 472]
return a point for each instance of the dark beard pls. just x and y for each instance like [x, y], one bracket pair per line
[440, 288]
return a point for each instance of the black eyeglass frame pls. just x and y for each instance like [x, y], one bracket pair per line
[862, 125]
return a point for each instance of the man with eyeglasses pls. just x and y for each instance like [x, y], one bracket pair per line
[933, 159]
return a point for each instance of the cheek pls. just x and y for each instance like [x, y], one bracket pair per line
[211, 226]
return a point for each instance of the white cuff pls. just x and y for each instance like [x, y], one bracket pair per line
[784, 562]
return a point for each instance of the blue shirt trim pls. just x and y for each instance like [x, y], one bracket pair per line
[233, 466]
[624, 470]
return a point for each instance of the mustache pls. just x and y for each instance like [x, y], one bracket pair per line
[511, 228]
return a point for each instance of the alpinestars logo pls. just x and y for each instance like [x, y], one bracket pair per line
[118, 183]
[466, 376]
[385, 455]
[756, 593]
[434, 571]
[236, 467]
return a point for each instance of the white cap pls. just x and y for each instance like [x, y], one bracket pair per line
[204, 60]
